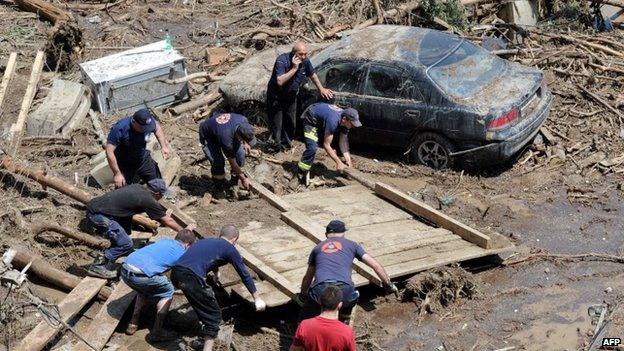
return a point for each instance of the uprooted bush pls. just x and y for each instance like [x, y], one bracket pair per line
[452, 12]
[434, 290]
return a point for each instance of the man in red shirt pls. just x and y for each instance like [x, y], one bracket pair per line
[325, 332]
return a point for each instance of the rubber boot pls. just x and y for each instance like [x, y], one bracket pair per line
[102, 268]
[304, 177]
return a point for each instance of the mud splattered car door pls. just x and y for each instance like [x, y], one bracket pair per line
[391, 106]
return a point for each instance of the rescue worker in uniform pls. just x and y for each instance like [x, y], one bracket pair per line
[289, 73]
[228, 134]
[126, 150]
[322, 122]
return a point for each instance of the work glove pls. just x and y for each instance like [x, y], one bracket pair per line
[390, 288]
[260, 305]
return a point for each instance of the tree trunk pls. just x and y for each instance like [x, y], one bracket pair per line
[45, 271]
[87, 239]
[44, 9]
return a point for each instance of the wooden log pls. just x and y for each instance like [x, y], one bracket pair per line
[87, 239]
[316, 233]
[197, 103]
[106, 320]
[65, 188]
[8, 75]
[45, 9]
[41, 335]
[440, 219]
[35, 75]
[44, 270]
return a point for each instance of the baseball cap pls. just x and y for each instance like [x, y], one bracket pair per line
[158, 186]
[352, 115]
[247, 133]
[145, 119]
[335, 226]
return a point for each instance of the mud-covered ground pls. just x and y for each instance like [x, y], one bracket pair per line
[547, 200]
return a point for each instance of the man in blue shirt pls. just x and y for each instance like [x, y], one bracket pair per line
[144, 271]
[189, 275]
[229, 134]
[330, 263]
[321, 122]
[126, 148]
[289, 73]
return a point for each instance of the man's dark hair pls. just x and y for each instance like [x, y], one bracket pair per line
[186, 236]
[229, 232]
[330, 298]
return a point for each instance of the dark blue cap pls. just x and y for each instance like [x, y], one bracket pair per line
[335, 226]
[158, 186]
[145, 118]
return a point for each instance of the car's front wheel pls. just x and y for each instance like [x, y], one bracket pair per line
[433, 150]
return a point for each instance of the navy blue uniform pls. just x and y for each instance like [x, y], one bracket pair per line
[218, 136]
[332, 260]
[189, 275]
[319, 120]
[282, 101]
[132, 156]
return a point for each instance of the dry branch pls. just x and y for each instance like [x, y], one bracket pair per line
[8, 75]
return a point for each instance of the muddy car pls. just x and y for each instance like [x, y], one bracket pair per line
[436, 96]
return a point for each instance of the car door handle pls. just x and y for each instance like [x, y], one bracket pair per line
[412, 113]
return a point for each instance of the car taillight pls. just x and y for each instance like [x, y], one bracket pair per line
[504, 120]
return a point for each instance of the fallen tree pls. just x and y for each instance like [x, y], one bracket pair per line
[61, 186]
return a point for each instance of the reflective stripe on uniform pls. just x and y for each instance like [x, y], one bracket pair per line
[219, 176]
[311, 134]
[304, 166]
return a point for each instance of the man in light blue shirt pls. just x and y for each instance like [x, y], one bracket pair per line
[144, 271]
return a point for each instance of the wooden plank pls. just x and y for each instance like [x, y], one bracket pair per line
[451, 243]
[18, 128]
[268, 195]
[338, 193]
[360, 177]
[316, 233]
[268, 273]
[38, 338]
[8, 75]
[106, 320]
[440, 219]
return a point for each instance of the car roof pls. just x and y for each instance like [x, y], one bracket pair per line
[392, 43]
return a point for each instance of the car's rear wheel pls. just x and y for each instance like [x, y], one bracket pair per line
[432, 150]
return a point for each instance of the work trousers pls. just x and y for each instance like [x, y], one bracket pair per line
[116, 231]
[214, 154]
[145, 169]
[281, 111]
[201, 297]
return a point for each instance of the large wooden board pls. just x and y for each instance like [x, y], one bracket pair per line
[106, 320]
[355, 204]
[68, 308]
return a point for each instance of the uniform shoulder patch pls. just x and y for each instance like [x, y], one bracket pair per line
[223, 118]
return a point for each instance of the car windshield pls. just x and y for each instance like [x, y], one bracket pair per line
[466, 71]
[434, 46]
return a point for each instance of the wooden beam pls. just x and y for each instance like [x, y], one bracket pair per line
[284, 285]
[106, 320]
[268, 195]
[8, 75]
[316, 233]
[360, 177]
[427, 212]
[41, 335]
[35, 75]
[44, 270]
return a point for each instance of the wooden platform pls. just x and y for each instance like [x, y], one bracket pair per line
[399, 241]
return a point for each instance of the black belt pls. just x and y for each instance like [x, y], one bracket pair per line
[131, 273]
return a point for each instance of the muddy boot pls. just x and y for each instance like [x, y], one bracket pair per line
[304, 177]
[219, 189]
[161, 335]
[131, 329]
[102, 268]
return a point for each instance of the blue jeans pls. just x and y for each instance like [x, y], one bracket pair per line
[214, 154]
[116, 232]
[312, 307]
[158, 286]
